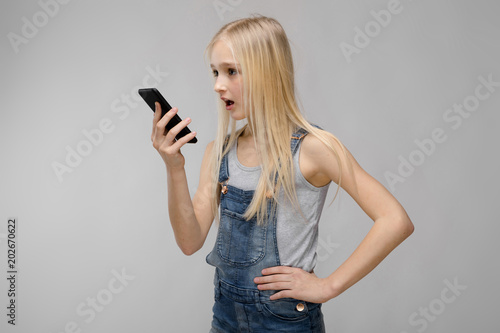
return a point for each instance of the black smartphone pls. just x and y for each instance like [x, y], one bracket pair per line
[152, 95]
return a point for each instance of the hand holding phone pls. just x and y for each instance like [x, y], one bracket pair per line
[152, 95]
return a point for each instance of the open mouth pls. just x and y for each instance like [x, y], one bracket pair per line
[229, 102]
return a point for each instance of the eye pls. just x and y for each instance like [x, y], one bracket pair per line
[232, 71]
[215, 73]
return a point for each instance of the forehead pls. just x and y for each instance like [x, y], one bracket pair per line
[222, 56]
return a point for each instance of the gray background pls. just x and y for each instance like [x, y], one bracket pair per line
[110, 213]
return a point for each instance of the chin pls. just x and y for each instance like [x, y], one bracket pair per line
[236, 115]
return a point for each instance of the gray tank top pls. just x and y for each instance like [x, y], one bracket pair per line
[297, 237]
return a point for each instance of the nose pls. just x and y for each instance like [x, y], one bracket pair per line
[219, 85]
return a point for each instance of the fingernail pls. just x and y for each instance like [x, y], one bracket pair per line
[188, 120]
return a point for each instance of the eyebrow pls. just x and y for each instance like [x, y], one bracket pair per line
[226, 64]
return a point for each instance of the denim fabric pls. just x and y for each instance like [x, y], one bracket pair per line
[244, 310]
[242, 249]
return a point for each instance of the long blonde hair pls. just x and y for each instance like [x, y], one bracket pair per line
[261, 47]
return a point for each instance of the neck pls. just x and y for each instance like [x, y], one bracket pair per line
[247, 132]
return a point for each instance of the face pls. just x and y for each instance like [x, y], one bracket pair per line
[228, 79]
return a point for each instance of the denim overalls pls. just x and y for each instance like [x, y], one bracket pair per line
[241, 251]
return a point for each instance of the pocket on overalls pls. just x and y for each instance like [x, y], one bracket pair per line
[240, 242]
[287, 309]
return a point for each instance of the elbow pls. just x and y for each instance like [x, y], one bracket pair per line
[405, 226]
[411, 227]
[398, 225]
[189, 244]
[189, 250]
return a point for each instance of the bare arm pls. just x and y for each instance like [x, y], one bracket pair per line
[190, 219]
[391, 227]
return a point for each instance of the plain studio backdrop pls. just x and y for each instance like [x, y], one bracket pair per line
[412, 88]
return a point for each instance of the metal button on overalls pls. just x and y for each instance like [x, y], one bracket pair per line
[300, 307]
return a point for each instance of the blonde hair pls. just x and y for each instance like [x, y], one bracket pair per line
[261, 47]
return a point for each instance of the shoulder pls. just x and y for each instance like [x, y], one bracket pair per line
[320, 149]
[210, 146]
[317, 158]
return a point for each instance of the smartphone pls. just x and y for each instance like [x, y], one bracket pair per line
[152, 95]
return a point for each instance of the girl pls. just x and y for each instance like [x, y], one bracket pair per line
[267, 182]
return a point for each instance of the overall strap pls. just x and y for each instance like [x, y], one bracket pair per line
[299, 134]
[296, 137]
[224, 169]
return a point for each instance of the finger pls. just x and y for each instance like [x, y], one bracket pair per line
[277, 270]
[174, 148]
[156, 118]
[157, 115]
[282, 294]
[162, 123]
[174, 131]
[273, 278]
[274, 286]
[167, 117]
[182, 141]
